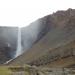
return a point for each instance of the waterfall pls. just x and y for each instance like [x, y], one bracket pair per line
[19, 47]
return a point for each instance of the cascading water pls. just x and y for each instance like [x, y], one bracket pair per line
[19, 47]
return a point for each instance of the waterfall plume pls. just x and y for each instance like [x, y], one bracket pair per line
[19, 47]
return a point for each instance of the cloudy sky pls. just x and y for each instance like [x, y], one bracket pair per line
[23, 12]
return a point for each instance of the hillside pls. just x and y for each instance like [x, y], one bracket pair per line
[60, 31]
[38, 29]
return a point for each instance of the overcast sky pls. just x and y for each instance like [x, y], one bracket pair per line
[23, 12]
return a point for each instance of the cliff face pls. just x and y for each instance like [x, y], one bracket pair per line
[51, 32]
[8, 43]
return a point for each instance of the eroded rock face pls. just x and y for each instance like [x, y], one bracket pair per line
[8, 43]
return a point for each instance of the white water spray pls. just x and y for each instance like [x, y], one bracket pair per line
[19, 47]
